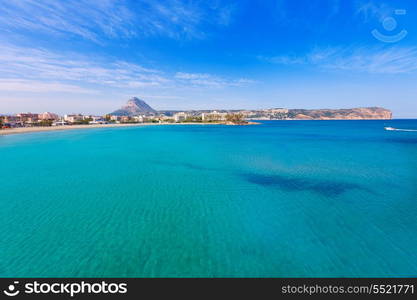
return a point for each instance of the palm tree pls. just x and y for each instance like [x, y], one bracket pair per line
[235, 118]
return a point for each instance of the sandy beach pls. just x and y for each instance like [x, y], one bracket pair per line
[73, 127]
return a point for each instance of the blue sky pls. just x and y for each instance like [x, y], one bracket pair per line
[91, 56]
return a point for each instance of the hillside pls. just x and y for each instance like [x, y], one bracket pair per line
[368, 113]
[134, 107]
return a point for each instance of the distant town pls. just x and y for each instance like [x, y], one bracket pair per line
[52, 119]
[137, 111]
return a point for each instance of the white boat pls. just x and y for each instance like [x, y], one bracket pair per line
[396, 129]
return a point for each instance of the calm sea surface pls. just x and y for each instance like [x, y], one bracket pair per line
[285, 198]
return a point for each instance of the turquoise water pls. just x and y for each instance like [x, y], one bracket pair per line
[282, 199]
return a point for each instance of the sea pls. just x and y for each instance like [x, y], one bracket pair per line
[278, 199]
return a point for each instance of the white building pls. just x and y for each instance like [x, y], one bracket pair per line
[96, 118]
[213, 116]
[73, 118]
[279, 111]
[59, 123]
[115, 118]
[181, 116]
[139, 119]
[48, 116]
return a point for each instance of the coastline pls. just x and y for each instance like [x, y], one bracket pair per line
[23, 130]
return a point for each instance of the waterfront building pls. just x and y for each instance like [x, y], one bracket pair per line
[28, 117]
[48, 116]
[181, 116]
[11, 119]
[96, 118]
[124, 119]
[73, 118]
[139, 119]
[59, 123]
[115, 118]
[213, 116]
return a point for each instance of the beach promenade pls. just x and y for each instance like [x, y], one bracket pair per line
[21, 130]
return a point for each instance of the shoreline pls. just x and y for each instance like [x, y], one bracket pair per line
[22, 130]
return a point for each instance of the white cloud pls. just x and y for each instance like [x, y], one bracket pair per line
[26, 69]
[395, 60]
[40, 64]
[100, 20]
[40, 87]
[283, 60]
[202, 79]
[377, 60]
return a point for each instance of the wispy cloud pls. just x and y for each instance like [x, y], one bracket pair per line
[377, 60]
[199, 79]
[20, 67]
[41, 64]
[35, 86]
[100, 20]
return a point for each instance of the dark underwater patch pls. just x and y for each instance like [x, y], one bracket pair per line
[328, 188]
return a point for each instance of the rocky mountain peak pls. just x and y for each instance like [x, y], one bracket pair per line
[134, 106]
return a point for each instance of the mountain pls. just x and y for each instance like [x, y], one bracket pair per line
[134, 107]
[365, 113]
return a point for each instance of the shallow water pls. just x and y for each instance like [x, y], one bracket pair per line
[285, 198]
